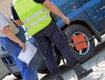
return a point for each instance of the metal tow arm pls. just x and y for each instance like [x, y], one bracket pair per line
[73, 44]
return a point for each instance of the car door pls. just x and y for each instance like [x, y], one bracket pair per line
[95, 9]
[66, 6]
[2, 67]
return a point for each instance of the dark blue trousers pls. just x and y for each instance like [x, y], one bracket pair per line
[45, 38]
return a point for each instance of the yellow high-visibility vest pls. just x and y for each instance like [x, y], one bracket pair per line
[34, 16]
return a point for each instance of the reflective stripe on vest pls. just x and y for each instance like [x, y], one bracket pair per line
[34, 16]
[37, 21]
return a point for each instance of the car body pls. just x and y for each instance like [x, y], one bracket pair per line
[87, 18]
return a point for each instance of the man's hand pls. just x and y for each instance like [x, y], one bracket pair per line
[23, 46]
[56, 11]
[66, 20]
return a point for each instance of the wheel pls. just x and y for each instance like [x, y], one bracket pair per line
[85, 53]
[43, 71]
[18, 76]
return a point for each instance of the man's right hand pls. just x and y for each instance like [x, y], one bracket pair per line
[23, 46]
[56, 11]
[66, 20]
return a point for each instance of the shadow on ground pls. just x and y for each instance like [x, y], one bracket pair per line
[65, 68]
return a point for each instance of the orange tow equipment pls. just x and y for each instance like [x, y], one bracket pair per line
[81, 45]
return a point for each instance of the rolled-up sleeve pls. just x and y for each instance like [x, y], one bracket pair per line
[3, 23]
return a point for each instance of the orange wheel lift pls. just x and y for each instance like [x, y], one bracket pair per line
[80, 42]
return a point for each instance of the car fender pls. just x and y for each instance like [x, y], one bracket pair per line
[79, 17]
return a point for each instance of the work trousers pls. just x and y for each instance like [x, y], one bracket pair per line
[27, 72]
[45, 38]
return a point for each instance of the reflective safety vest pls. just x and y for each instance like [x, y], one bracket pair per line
[34, 16]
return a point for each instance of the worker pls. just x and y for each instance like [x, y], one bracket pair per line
[13, 40]
[35, 16]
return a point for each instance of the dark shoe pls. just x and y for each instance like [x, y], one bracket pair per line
[81, 72]
[58, 77]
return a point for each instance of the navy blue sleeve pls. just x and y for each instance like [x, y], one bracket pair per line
[15, 16]
[39, 1]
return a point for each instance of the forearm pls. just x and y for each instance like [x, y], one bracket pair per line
[53, 8]
[56, 11]
[18, 22]
[11, 35]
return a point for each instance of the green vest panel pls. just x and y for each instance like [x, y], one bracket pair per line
[34, 16]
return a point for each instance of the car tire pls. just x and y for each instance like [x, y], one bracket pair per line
[86, 53]
[43, 71]
[18, 76]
